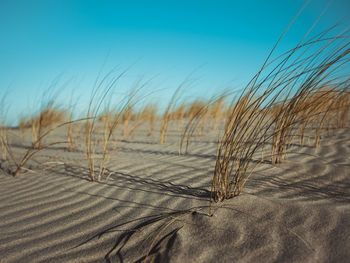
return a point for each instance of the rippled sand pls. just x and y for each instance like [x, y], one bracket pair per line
[156, 202]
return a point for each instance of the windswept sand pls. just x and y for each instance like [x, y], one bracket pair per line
[298, 211]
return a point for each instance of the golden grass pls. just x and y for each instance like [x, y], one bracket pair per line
[4, 142]
[45, 120]
[272, 107]
[149, 114]
[200, 115]
[70, 133]
[3, 128]
[127, 116]
[217, 111]
[17, 166]
[97, 139]
[166, 116]
[42, 125]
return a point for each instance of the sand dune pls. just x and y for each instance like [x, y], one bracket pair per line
[297, 211]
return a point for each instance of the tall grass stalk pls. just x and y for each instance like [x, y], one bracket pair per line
[273, 105]
[95, 139]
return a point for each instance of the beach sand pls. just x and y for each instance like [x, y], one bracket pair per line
[156, 203]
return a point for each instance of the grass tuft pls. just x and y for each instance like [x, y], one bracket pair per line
[298, 90]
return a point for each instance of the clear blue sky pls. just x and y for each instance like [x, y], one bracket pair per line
[224, 42]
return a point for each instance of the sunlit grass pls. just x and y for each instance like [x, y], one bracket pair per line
[275, 105]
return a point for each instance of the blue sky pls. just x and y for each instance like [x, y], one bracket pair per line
[222, 43]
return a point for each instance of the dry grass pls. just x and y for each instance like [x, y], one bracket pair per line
[178, 114]
[272, 107]
[93, 138]
[42, 125]
[166, 116]
[200, 115]
[70, 133]
[3, 128]
[126, 117]
[16, 166]
[217, 111]
[4, 142]
[196, 114]
[97, 139]
[149, 114]
[47, 118]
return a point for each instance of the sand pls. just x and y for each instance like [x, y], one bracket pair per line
[156, 202]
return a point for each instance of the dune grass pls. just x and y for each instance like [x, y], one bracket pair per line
[3, 126]
[98, 97]
[70, 129]
[273, 106]
[127, 116]
[98, 136]
[199, 114]
[175, 109]
[166, 116]
[17, 164]
[49, 118]
[147, 114]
